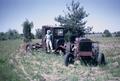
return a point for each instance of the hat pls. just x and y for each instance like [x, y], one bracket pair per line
[48, 31]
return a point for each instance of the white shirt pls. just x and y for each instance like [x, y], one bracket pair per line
[48, 36]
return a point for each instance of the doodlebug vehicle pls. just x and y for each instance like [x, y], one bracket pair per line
[57, 39]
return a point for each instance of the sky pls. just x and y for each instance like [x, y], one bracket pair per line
[103, 14]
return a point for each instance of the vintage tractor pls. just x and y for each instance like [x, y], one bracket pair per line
[85, 50]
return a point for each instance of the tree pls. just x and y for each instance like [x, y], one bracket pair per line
[27, 26]
[73, 21]
[67, 36]
[117, 34]
[107, 33]
[32, 36]
[12, 34]
[39, 33]
[3, 36]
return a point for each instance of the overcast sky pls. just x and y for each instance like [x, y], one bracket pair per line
[104, 14]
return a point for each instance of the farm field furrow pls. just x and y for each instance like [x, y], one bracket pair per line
[16, 65]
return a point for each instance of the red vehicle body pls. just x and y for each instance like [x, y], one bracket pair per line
[85, 50]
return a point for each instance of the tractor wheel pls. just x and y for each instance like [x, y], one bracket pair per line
[101, 59]
[28, 47]
[69, 59]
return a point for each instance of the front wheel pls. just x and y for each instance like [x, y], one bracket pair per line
[69, 59]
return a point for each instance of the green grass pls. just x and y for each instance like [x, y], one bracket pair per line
[7, 72]
[112, 53]
[39, 66]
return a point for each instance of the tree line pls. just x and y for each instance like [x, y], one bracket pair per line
[10, 34]
[107, 33]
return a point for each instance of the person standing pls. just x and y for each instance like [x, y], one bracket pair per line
[48, 41]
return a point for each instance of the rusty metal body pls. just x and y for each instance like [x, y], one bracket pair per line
[85, 50]
[86, 47]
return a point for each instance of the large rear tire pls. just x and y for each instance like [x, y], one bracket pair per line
[101, 59]
[69, 59]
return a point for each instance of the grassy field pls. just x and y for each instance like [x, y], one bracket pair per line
[7, 48]
[16, 65]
